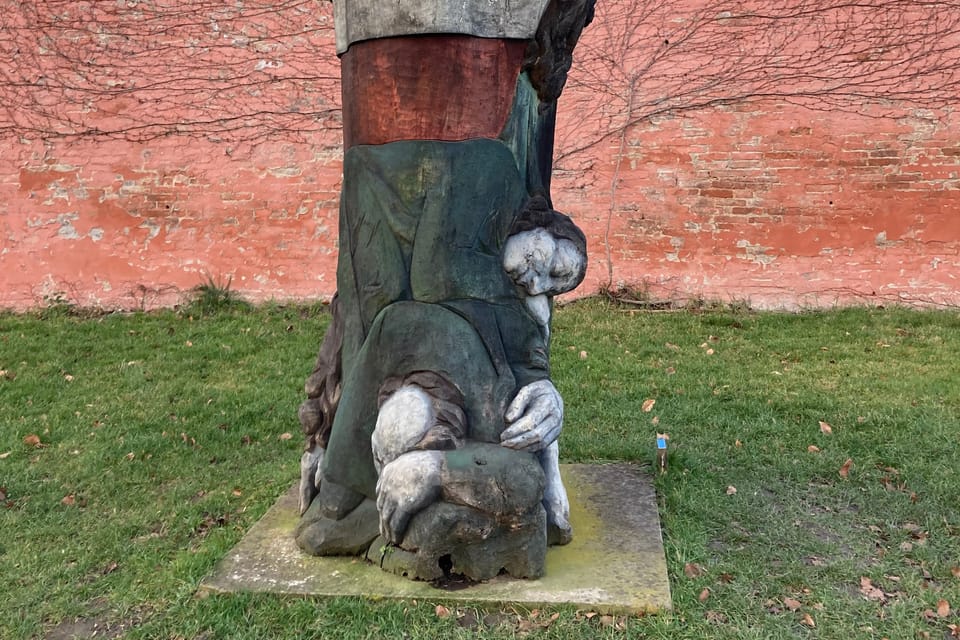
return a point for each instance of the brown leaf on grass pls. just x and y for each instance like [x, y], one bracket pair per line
[285, 436]
[943, 608]
[825, 428]
[870, 592]
[704, 595]
[715, 617]
[3, 494]
[845, 469]
[813, 449]
[726, 578]
[648, 405]
[109, 568]
[693, 570]
[442, 611]
[737, 443]
[655, 421]
[583, 355]
[5, 454]
[237, 492]
[791, 604]
[731, 490]
[808, 621]
[955, 572]
[68, 500]
[954, 630]
[33, 440]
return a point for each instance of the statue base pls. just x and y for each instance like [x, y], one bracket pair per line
[615, 563]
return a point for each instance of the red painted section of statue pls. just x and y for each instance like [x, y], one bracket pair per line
[445, 87]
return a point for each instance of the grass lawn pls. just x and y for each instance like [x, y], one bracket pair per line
[813, 488]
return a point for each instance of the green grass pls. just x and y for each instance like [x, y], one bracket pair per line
[162, 443]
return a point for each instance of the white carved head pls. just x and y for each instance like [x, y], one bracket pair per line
[543, 264]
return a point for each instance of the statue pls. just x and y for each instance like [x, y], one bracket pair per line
[431, 420]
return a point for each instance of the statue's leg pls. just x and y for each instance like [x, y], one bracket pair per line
[555, 501]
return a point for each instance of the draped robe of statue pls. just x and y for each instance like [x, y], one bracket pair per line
[448, 116]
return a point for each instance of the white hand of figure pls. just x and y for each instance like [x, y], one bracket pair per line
[406, 486]
[310, 476]
[535, 417]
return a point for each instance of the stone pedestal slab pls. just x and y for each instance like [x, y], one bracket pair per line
[615, 563]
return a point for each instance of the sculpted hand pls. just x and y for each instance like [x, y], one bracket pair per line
[406, 486]
[535, 417]
[310, 476]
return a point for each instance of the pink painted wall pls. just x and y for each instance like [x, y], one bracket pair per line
[766, 202]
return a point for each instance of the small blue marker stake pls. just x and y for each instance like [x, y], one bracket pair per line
[662, 453]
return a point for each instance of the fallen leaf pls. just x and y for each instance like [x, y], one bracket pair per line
[442, 611]
[33, 440]
[110, 568]
[670, 371]
[726, 578]
[68, 500]
[737, 443]
[4, 455]
[237, 492]
[845, 469]
[870, 592]
[670, 345]
[943, 608]
[655, 421]
[808, 621]
[813, 449]
[704, 595]
[130, 456]
[648, 405]
[583, 355]
[68, 377]
[716, 617]
[607, 621]
[3, 493]
[693, 570]
[954, 630]
[906, 547]
[825, 428]
[791, 604]
[286, 436]
[188, 343]
[731, 490]
[955, 572]
[709, 352]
